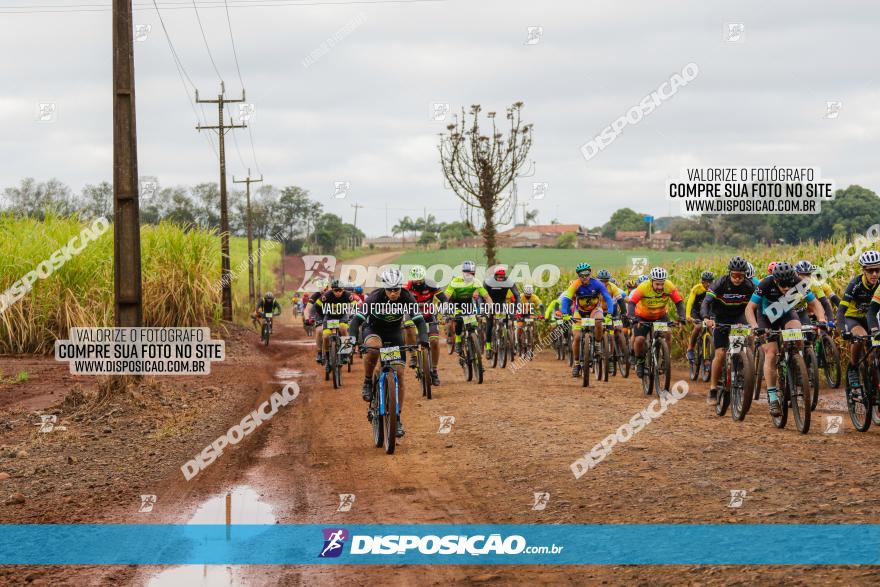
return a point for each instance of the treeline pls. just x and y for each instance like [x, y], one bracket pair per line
[851, 212]
[288, 212]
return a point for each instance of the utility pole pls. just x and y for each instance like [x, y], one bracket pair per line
[250, 236]
[355, 206]
[127, 290]
[226, 276]
[523, 206]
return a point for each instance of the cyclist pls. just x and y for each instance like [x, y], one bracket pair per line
[581, 300]
[725, 303]
[532, 306]
[335, 304]
[498, 287]
[425, 291]
[461, 291]
[382, 316]
[266, 306]
[647, 304]
[750, 274]
[769, 291]
[617, 294]
[804, 270]
[852, 314]
[692, 309]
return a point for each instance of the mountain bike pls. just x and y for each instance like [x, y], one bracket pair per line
[424, 366]
[618, 350]
[561, 342]
[658, 366]
[828, 360]
[309, 325]
[812, 362]
[333, 360]
[737, 373]
[501, 345]
[449, 328]
[704, 351]
[793, 381]
[866, 400]
[267, 327]
[470, 357]
[526, 336]
[384, 410]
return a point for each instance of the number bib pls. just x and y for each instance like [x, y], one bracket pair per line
[660, 327]
[617, 323]
[332, 324]
[390, 353]
[792, 334]
[740, 331]
[469, 319]
[588, 322]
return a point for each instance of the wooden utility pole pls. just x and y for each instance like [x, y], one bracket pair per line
[226, 276]
[127, 292]
[523, 206]
[250, 233]
[354, 236]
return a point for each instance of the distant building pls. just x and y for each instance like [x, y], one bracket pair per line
[630, 235]
[390, 242]
[537, 235]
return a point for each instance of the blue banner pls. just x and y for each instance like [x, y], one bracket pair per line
[602, 544]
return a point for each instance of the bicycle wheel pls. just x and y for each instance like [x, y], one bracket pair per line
[759, 372]
[831, 366]
[505, 348]
[722, 399]
[389, 420]
[663, 368]
[602, 361]
[333, 359]
[425, 368]
[265, 334]
[800, 390]
[648, 377]
[784, 396]
[812, 363]
[496, 343]
[568, 341]
[376, 418]
[586, 354]
[477, 361]
[623, 354]
[466, 358]
[450, 338]
[612, 354]
[708, 352]
[858, 402]
[741, 384]
[695, 365]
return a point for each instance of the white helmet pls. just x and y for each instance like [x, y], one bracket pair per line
[391, 278]
[418, 273]
[659, 273]
[528, 289]
[468, 267]
[869, 258]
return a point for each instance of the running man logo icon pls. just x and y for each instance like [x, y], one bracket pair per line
[340, 189]
[639, 264]
[737, 496]
[832, 109]
[735, 31]
[147, 503]
[534, 35]
[446, 423]
[439, 110]
[542, 498]
[334, 541]
[47, 422]
[539, 189]
[346, 500]
[832, 424]
[318, 267]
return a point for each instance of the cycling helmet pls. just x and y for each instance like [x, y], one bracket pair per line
[770, 267]
[604, 274]
[803, 267]
[358, 289]
[528, 289]
[468, 267]
[659, 273]
[269, 295]
[614, 281]
[417, 273]
[750, 272]
[501, 273]
[869, 258]
[738, 264]
[629, 284]
[391, 278]
[336, 284]
[707, 276]
[642, 279]
[582, 267]
[784, 274]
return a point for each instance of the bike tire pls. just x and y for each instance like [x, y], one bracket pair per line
[376, 421]
[663, 367]
[832, 369]
[612, 359]
[265, 334]
[708, 353]
[467, 358]
[586, 355]
[426, 372]
[335, 367]
[505, 348]
[623, 354]
[741, 387]
[759, 373]
[800, 390]
[389, 420]
[695, 365]
[478, 363]
[812, 364]
[858, 403]
[648, 377]
[496, 346]
[603, 360]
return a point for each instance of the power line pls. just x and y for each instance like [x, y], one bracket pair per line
[241, 80]
[205, 38]
[43, 9]
[232, 38]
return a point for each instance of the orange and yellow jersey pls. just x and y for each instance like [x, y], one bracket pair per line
[651, 305]
[534, 300]
[616, 294]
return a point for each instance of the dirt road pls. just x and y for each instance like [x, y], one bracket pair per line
[513, 436]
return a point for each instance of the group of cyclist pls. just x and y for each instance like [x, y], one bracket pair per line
[406, 312]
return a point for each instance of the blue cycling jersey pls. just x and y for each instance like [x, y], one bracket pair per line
[585, 291]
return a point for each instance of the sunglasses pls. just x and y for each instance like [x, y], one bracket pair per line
[392, 290]
[737, 275]
[337, 289]
[872, 270]
[584, 274]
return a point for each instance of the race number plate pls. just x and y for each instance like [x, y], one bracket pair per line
[529, 320]
[268, 314]
[792, 334]
[469, 319]
[588, 321]
[617, 323]
[740, 331]
[390, 353]
[500, 316]
[332, 324]
[559, 321]
[736, 344]
[661, 327]
[875, 341]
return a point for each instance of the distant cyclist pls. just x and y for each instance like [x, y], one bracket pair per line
[498, 287]
[692, 309]
[581, 300]
[852, 314]
[426, 291]
[460, 292]
[266, 306]
[648, 304]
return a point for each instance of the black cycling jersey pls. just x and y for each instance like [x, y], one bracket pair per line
[498, 290]
[725, 301]
[857, 297]
[270, 305]
[378, 309]
[332, 306]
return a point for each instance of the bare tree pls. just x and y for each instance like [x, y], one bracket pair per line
[479, 168]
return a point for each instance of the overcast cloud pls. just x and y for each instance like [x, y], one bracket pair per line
[361, 112]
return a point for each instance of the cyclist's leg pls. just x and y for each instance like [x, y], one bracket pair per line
[720, 338]
[599, 315]
[771, 349]
[576, 336]
[373, 341]
[490, 326]
[858, 327]
[692, 341]
[434, 340]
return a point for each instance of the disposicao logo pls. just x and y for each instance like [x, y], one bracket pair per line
[334, 541]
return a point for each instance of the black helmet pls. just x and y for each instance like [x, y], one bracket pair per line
[269, 295]
[335, 284]
[784, 274]
[804, 267]
[707, 276]
[738, 264]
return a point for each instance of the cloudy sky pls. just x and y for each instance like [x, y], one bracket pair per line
[361, 112]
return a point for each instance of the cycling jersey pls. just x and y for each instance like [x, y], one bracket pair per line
[650, 305]
[818, 292]
[461, 291]
[424, 294]
[552, 307]
[585, 295]
[499, 292]
[726, 302]
[857, 297]
[331, 306]
[768, 292]
[267, 306]
[617, 295]
[695, 300]
[534, 302]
